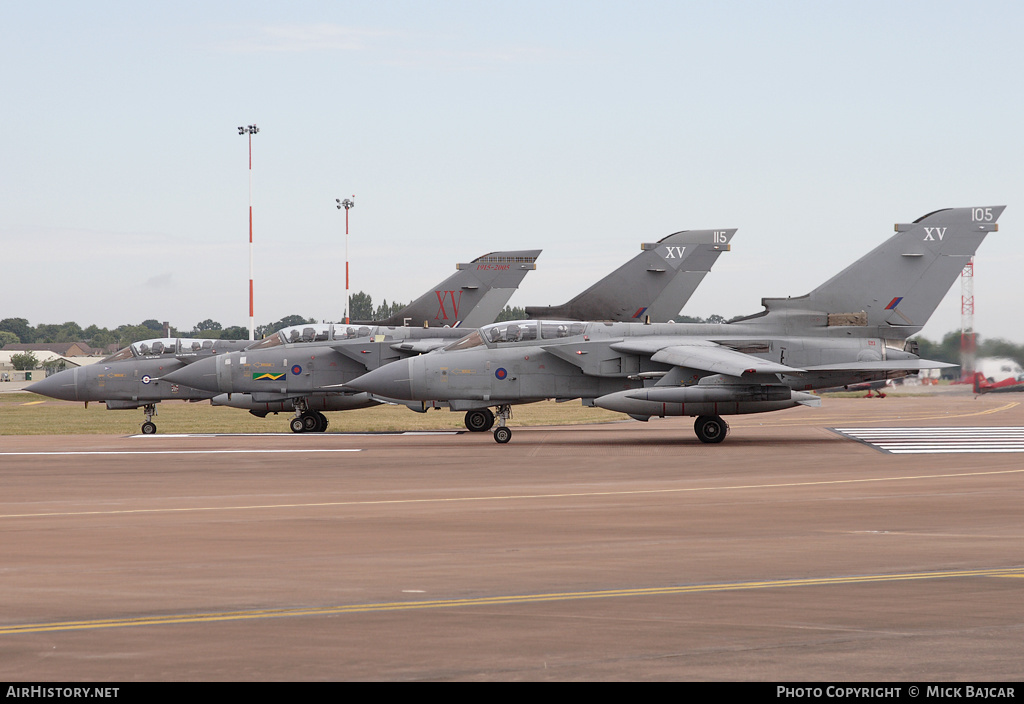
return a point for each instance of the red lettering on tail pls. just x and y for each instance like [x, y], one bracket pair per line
[442, 298]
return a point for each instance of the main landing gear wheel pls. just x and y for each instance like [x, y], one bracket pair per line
[321, 421]
[710, 429]
[309, 422]
[148, 428]
[502, 435]
[480, 420]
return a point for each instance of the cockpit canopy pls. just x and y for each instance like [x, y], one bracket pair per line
[150, 348]
[321, 332]
[312, 333]
[518, 331]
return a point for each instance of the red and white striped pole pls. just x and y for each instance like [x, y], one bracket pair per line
[347, 204]
[250, 130]
[968, 340]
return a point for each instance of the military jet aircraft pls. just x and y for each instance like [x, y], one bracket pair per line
[130, 378]
[852, 328]
[275, 376]
[135, 376]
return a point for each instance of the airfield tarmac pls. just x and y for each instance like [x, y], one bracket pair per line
[624, 551]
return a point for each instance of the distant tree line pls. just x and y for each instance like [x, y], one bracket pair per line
[18, 330]
[948, 349]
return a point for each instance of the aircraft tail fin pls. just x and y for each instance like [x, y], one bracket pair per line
[895, 288]
[473, 296]
[656, 283]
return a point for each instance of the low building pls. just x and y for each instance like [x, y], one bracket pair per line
[996, 369]
[64, 349]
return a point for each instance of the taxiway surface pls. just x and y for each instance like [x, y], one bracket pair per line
[621, 551]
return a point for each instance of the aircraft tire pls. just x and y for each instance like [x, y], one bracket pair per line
[149, 428]
[479, 421]
[297, 425]
[710, 429]
[502, 435]
[309, 422]
[321, 422]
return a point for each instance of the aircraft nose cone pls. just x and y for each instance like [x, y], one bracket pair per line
[201, 374]
[391, 381]
[62, 385]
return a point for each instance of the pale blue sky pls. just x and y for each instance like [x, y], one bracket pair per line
[583, 128]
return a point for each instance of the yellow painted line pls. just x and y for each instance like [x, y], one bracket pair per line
[515, 497]
[177, 619]
[32, 403]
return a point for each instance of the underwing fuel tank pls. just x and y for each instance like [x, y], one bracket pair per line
[265, 403]
[704, 401]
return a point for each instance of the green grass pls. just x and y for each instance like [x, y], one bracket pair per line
[30, 414]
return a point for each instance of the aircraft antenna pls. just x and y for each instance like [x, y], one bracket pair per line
[968, 340]
[347, 204]
[250, 130]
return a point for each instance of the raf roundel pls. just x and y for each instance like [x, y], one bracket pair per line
[296, 370]
[500, 373]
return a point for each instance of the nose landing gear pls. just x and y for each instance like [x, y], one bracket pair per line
[502, 434]
[148, 426]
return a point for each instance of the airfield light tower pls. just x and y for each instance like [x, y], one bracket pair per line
[968, 341]
[347, 204]
[250, 130]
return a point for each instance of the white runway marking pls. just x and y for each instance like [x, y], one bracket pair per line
[924, 441]
[291, 435]
[172, 452]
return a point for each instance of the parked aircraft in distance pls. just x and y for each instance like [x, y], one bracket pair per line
[277, 377]
[983, 386]
[851, 329]
[135, 376]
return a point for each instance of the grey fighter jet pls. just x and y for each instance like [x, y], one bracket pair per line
[136, 377]
[130, 378]
[275, 376]
[852, 328]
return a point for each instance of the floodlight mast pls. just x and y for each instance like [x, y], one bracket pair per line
[250, 130]
[347, 204]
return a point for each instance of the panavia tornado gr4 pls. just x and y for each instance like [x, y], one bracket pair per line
[852, 328]
[278, 375]
[136, 377]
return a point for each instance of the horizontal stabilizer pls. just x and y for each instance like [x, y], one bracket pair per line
[806, 399]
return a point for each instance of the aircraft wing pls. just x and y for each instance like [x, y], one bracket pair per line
[889, 365]
[704, 355]
[719, 360]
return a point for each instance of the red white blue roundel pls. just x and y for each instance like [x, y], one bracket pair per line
[500, 373]
[296, 370]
